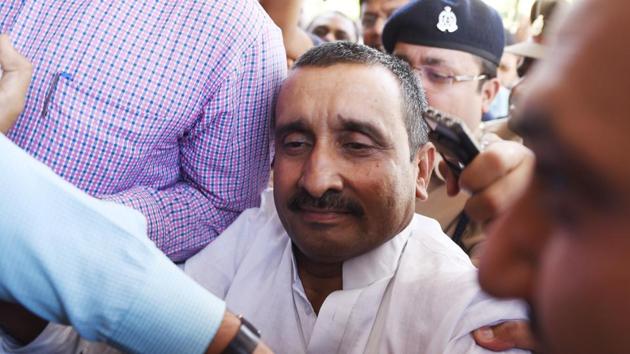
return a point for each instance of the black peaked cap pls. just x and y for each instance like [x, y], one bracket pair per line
[478, 30]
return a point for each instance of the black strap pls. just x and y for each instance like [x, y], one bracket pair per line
[460, 228]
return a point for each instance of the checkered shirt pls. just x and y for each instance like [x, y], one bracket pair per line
[164, 106]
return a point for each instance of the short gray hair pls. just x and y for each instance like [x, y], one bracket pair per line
[414, 102]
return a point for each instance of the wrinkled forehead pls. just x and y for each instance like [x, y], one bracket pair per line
[333, 20]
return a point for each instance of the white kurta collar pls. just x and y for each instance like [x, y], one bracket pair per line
[377, 264]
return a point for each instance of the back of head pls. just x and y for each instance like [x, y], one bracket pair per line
[465, 25]
[414, 99]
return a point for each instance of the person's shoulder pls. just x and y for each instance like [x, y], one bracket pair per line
[428, 240]
[231, 20]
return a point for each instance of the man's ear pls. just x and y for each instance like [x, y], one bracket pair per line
[489, 91]
[425, 158]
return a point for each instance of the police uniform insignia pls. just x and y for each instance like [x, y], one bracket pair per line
[447, 21]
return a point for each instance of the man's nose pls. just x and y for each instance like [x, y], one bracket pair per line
[330, 37]
[321, 172]
[509, 264]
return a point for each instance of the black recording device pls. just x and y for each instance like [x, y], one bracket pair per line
[452, 139]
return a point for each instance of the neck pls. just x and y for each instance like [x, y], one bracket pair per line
[318, 279]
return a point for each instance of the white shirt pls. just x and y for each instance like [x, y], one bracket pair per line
[432, 304]
[423, 285]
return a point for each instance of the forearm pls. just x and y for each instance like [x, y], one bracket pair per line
[181, 219]
[70, 258]
[286, 15]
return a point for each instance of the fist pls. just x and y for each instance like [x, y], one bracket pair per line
[16, 76]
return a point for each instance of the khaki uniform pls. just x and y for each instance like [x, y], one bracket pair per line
[447, 210]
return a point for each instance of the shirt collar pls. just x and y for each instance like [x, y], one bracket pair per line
[367, 268]
[377, 264]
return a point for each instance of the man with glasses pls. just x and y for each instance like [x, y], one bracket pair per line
[455, 47]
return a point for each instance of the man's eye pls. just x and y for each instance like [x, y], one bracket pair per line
[437, 77]
[357, 147]
[368, 21]
[296, 144]
[320, 31]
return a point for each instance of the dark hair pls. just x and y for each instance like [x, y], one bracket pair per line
[489, 69]
[414, 102]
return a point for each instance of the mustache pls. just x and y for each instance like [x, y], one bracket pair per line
[330, 200]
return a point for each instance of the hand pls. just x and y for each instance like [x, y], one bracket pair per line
[227, 331]
[505, 336]
[16, 76]
[495, 178]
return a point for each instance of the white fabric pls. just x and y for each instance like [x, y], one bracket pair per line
[435, 300]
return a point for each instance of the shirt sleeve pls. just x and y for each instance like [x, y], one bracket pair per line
[70, 258]
[225, 157]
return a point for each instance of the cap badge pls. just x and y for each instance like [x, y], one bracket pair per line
[447, 20]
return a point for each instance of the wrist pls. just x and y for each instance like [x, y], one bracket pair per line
[226, 332]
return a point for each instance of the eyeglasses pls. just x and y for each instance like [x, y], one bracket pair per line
[437, 78]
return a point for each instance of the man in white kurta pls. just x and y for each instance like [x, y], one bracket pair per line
[336, 261]
[416, 293]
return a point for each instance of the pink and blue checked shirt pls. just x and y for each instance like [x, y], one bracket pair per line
[164, 106]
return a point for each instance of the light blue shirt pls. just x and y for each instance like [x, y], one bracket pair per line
[71, 258]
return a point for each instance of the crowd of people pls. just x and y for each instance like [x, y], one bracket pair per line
[137, 141]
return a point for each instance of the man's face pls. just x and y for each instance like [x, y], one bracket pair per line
[507, 71]
[565, 245]
[374, 14]
[344, 182]
[461, 99]
[332, 27]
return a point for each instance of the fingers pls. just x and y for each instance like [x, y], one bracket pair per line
[495, 162]
[452, 186]
[10, 59]
[507, 335]
[490, 201]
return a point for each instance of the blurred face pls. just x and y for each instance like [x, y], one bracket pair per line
[374, 14]
[344, 182]
[332, 27]
[565, 245]
[461, 99]
[507, 71]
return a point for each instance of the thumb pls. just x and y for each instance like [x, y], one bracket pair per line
[506, 335]
[10, 59]
[14, 82]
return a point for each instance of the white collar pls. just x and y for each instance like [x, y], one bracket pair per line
[365, 269]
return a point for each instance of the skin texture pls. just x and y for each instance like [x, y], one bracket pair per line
[564, 245]
[332, 26]
[286, 15]
[374, 14]
[340, 130]
[507, 73]
[16, 77]
[462, 99]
